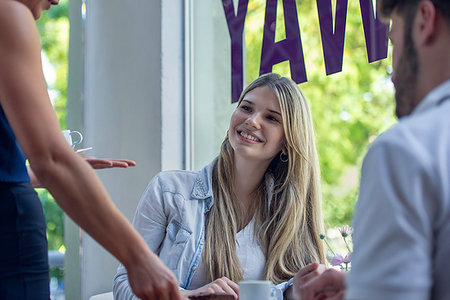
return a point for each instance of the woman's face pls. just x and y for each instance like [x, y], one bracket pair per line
[256, 126]
[38, 6]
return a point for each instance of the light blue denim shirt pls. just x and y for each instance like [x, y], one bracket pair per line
[171, 219]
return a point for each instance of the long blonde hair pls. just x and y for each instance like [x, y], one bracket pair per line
[288, 226]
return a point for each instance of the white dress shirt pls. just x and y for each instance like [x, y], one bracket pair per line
[402, 218]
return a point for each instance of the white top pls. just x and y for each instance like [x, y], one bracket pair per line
[250, 256]
[402, 219]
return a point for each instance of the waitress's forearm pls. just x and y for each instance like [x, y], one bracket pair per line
[79, 192]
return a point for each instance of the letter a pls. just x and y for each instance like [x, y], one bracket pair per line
[287, 49]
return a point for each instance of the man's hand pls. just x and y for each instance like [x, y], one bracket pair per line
[303, 276]
[330, 284]
[307, 273]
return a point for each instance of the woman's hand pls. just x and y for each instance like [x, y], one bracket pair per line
[106, 163]
[150, 279]
[96, 163]
[219, 286]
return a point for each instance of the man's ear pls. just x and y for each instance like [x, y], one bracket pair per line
[426, 22]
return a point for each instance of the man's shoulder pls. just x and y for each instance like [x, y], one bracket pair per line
[419, 141]
[423, 129]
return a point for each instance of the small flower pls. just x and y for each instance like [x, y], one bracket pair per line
[348, 258]
[337, 260]
[345, 231]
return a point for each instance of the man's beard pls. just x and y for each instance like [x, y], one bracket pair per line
[405, 78]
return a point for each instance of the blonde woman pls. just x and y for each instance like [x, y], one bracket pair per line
[252, 213]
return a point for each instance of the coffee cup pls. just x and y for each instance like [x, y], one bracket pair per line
[68, 136]
[257, 289]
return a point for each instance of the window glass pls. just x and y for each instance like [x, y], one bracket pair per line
[350, 108]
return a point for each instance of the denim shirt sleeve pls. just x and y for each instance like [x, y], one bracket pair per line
[282, 287]
[150, 221]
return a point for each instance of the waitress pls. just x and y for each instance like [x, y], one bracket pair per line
[29, 129]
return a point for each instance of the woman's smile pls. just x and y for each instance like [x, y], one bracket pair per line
[248, 137]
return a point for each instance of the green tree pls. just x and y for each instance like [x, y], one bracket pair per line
[54, 31]
[349, 108]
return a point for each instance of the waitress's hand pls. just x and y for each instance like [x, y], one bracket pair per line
[152, 280]
[106, 163]
[96, 163]
[221, 286]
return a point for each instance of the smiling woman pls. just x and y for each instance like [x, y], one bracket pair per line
[253, 213]
[256, 128]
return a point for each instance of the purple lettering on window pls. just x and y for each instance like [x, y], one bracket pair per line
[287, 49]
[236, 28]
[375, 32]
[290, 49]
[332, 40]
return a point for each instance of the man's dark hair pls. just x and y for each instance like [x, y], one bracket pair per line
[407, 8]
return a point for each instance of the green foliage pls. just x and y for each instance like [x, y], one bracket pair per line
[54, 219]
[54, 31]
[349, 108]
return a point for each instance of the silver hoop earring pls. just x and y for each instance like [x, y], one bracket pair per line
[284, 157]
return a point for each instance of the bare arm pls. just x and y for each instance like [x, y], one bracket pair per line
[70, 179]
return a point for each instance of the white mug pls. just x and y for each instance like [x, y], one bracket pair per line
[257, 289]
[68, 136]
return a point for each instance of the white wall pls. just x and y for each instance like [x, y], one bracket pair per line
[172, 85]
[211, 80]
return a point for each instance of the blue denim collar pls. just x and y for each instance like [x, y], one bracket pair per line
[202, 189]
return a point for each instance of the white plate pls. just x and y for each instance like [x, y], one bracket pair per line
[82, 151]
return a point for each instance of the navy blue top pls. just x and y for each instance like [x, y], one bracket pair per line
[12, 159]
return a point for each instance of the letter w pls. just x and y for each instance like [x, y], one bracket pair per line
[375, 31]
[332, 40]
